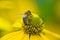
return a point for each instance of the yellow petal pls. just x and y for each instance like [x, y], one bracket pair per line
[5, 24]
[35, 37]
[26, 37]
[44, 37]
[14, 36]
[51, 35]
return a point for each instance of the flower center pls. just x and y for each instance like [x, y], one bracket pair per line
[33, 29]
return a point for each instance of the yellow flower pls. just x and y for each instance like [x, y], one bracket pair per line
[26, 33]
[35, 35]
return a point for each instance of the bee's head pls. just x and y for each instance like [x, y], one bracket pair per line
[28, 13]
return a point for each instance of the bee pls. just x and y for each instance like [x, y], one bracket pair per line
[27, 17]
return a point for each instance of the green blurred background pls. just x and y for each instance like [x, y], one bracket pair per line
[10, 20]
